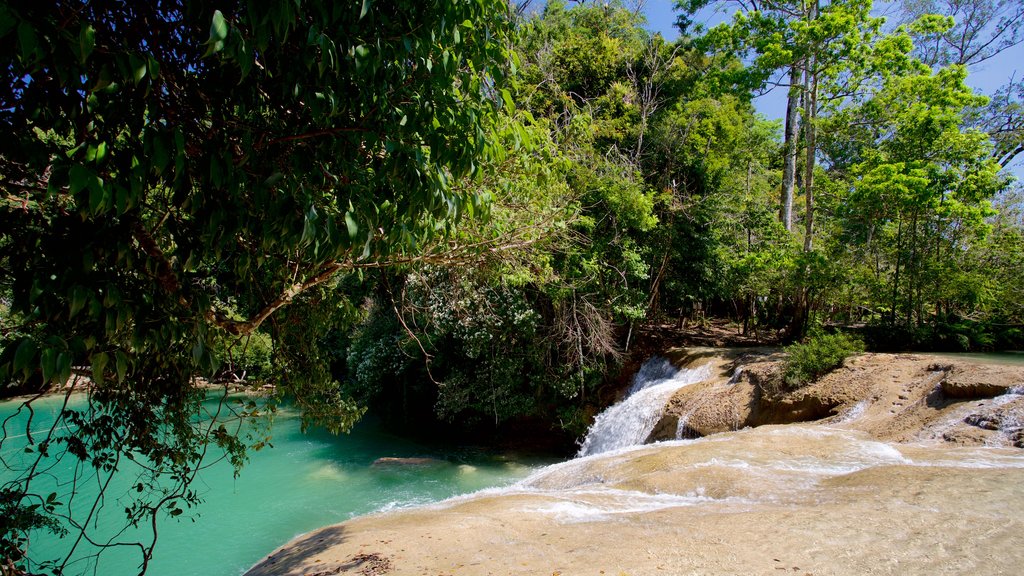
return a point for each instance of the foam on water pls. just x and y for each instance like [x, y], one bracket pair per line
[596, 505]
[631, 421]
[854, 412]
[736, 375]
[744, 469]
[656, 369]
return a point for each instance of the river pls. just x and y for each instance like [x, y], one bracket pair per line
[821, 498]
[303, 482]
[837, 496]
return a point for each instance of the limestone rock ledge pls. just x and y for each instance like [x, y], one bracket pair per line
[898, 397]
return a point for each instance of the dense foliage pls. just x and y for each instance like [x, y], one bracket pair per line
[181, 182]
[457, 215]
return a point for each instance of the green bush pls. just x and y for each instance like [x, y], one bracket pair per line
[250, 358]
[818, 355]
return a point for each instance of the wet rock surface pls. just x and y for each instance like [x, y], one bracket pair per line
[978, 381]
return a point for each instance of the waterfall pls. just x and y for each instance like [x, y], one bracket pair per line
[631, 421]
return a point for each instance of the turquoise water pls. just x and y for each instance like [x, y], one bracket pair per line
[1008, 357]
[304, 482]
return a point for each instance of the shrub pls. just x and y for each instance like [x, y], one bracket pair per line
[818, 355]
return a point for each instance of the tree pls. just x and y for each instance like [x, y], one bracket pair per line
[584, 71]
[175, 177]
[921, 192]
[824, 49]
[1003, 120]
[970, 33]
[761, 20]
[967, 33]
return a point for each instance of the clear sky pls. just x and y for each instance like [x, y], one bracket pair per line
[985, 78]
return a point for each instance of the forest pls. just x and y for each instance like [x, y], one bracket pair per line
[466, 214]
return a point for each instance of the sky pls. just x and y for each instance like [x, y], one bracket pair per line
[985, 78]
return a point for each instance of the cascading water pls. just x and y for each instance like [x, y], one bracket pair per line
[631, 421]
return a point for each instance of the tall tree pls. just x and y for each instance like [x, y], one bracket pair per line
[806, 46]
[768, 18]
[921, 191]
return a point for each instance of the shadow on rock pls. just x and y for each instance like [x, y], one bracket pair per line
[296, 557]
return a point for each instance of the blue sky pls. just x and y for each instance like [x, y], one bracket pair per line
[984, 78]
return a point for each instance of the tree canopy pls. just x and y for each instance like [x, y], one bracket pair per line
[175, 174]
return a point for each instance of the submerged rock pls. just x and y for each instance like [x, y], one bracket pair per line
[390, 462]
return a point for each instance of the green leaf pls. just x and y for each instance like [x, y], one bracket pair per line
[218, 33]
[366, 8]
[79, 294]
[24, 355]
[86, 42]
[362, 52]
[98, 195]
[219, 26]
[105, 79]
[273, 179]
[80, 178]
[161, 154]
[48, 363]
[63, 367]
[350, 224]
[138, 66]
[28, 41]
[96, 153]
[308, 229]
[366, 248]
[506, 97]
[121, 364]
[99, 364]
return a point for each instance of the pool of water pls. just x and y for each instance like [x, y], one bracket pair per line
[1013, 357]
[305, 481]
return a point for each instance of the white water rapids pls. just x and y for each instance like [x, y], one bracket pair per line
[630, 422]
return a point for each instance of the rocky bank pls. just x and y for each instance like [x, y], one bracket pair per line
[894, 397]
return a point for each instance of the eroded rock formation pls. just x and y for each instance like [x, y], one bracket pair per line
[899, 397]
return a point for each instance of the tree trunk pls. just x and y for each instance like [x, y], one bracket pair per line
[790, 149]
[896, 276]
[912, 271]
[810, 104]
